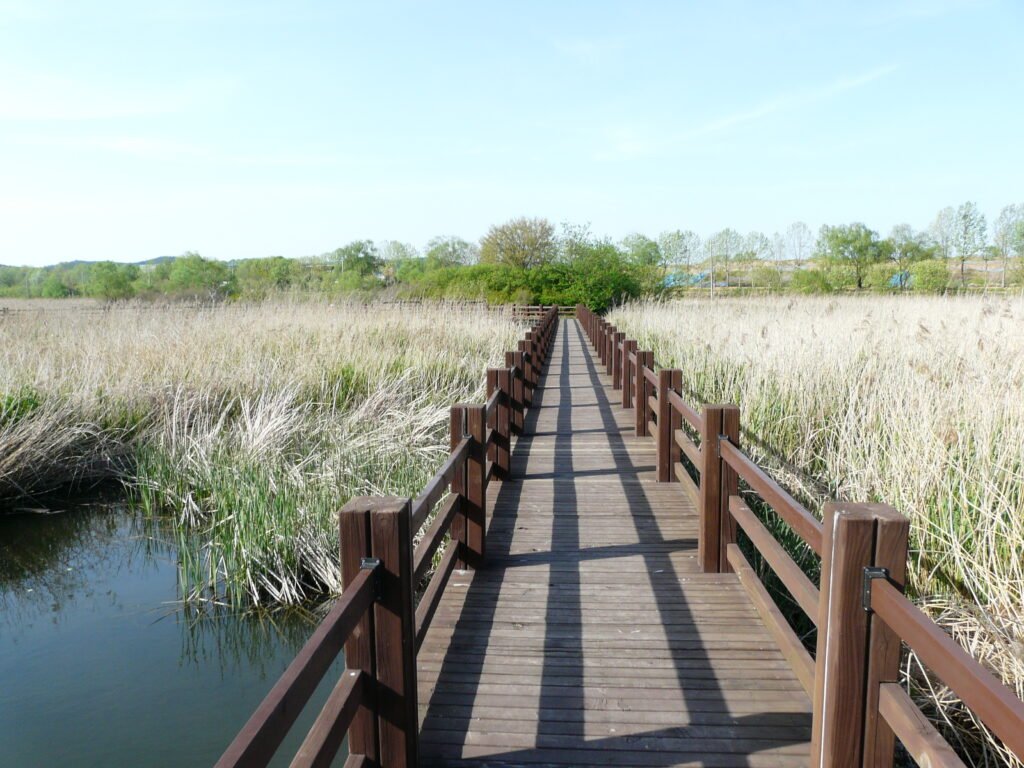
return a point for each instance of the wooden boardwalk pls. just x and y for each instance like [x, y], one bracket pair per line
[590, 636]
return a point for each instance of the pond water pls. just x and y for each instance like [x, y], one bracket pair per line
[100, 666]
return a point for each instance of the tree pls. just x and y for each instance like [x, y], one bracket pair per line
[904, 246]
[360, 257]
[799, 241]
[725, 247]
[968, 236]
[680, 249]
[1006, 225]
[191, 274]
[943, 230]
[573, 242]
[851, 245]
[449, 251]
[778, 251]
[641, 250]
[111, 281]
[521, 243]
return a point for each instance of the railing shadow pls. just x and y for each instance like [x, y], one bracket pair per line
[712, 735]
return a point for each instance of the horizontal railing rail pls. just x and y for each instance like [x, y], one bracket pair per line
[861, 615]
[376, 619]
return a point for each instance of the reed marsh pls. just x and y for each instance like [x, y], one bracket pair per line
[250, 425]
[915, 402]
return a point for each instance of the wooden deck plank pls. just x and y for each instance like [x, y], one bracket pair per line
[591, 637]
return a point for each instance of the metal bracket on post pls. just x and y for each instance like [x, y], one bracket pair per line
[870, 574]
[372, 564]
[718, 445]
[465, 423]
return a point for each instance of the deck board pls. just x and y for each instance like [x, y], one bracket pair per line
[591, 637]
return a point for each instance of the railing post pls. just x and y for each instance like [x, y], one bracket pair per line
[354, 525]
[524, 366]
[675, 422]
[628, 347]
[384, 524]
[515, 360]
[617, 359]
[470, 524]
[641, 393]
[854, 652]
[498, 380]
[718, 481]
[609, 355]
[664, 436]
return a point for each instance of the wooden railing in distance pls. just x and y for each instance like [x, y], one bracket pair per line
[374, 702]
[861, 614]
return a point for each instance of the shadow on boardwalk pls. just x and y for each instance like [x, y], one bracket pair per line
[589, 638]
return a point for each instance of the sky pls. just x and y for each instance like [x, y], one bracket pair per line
[132, 130]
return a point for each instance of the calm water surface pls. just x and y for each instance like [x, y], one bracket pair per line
[100, 667]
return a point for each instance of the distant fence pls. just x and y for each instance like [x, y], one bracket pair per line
[376, 620]
[859, 608]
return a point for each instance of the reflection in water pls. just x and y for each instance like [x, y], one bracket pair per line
[100, 663]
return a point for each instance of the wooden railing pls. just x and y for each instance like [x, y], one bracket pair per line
[376, 618]
[862, 616]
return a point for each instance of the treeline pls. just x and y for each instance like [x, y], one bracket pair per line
[531, 261]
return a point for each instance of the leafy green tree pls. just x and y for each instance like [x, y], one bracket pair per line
[111, 281]
[969, 233]
[943, 231]
[521, 243]
[54, 287]
[903, 247]
[852, 245]
[680, 249]
[725, 247]
[1009, 221]
[360, 258]
[192, 275]
[641, 250]
[449, 251]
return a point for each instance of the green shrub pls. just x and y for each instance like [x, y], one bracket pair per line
[810, 281]
[879, 277]
[930, 276]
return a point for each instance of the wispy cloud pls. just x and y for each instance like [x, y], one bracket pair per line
[788, 101]
[635, 140]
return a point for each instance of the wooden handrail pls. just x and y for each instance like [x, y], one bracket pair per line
[691, 416]
[922, 741]
[799, 586]
[434, 537]
[994, 704]
[260, 737]
[789, 509]
[438, 484]
[328, 732]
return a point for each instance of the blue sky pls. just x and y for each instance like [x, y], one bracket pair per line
[131, 130]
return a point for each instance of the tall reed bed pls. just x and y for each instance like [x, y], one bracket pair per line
[251, 425]
[916, 402]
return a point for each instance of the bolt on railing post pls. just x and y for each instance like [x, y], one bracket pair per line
[628, 347]
[384, 524]
[718, 481]
[855, 652]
